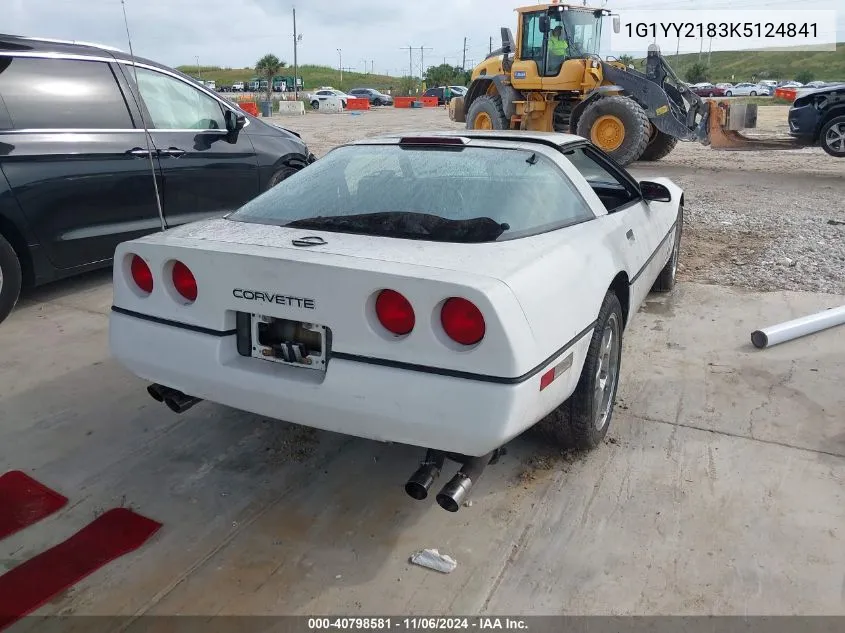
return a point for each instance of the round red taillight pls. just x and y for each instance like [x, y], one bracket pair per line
[462, 321]
[394, 312]
[141, 274]
[184, 282]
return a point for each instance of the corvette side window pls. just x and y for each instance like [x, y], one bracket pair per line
[613, 191]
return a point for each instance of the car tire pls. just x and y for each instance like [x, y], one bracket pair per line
[753, 93]
[709, 94]
[660, 146]
[582, 421]
[487, 110]
[665, 281]
[285, 172]
[834, 127]
[729, 94]
[315, 105]
[616, 110]
[10, 278]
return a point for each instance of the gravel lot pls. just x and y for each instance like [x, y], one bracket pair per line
[772, 220]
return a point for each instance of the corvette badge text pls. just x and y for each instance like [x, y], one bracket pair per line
[271, 297]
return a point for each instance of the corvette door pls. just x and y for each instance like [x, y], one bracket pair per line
[633, 229]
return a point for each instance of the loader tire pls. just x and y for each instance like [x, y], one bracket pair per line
[487, 113]
[660, 145]
[618, 126]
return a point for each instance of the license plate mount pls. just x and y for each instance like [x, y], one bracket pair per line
[288, 342]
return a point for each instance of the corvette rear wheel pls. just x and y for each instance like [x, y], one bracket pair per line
[582, 421]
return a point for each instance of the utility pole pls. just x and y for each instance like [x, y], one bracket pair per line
[373, 66]
[701, 49]
[295, 63]
[340, 63]
[410, 60]
[422, 57]
[709, 51]
[491, 45]
[464, 65]
[199, 72]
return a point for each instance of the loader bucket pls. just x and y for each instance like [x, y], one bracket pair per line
[725, 120]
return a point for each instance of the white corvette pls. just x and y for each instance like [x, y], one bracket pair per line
[436, 290]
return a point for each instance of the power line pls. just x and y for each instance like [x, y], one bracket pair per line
[422, 55]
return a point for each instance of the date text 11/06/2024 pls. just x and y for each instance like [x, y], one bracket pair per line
[416, 624]
[722, 29]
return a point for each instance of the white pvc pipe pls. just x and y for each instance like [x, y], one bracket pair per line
[802, 326]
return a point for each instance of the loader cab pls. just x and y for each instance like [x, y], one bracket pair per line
[553, 42]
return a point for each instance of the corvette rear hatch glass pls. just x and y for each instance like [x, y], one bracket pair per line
[446, 194]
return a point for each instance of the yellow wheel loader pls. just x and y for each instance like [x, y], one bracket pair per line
[551, 78]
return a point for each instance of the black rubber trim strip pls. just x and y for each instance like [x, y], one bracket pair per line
[179, 324]
[454, 373]
[654, 254]
[383, 362]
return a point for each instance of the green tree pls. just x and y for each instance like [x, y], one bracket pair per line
[445, 75]
[268, 67]
[697, 73]
[628, 60]
[804, 77]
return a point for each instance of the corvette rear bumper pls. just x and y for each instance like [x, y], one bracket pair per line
[371, 401]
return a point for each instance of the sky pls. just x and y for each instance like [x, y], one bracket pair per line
[236, 33]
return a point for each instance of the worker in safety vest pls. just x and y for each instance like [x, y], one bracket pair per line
[558, 45]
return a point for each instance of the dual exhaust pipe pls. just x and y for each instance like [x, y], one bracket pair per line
[456, 491]
[175, 400]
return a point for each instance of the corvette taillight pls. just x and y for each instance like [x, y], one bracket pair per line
[141, 274]
[395, 312]
[462, 321]
[184, 281]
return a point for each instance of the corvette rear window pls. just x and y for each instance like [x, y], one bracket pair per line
[444, 194]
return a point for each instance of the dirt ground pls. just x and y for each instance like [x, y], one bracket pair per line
[718, 491]
[760, 220]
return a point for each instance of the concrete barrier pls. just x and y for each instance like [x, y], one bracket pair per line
[331, 105]
[429, 102]
[402, 102]
[249, 106]
[291, 107]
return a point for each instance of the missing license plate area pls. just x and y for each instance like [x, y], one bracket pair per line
[289, 342]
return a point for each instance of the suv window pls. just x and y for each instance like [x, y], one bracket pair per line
[613, 190]
[45, 93]
[176, 105]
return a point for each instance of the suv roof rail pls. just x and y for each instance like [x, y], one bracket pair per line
[54, 40]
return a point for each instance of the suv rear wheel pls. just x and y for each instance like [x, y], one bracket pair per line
[832, 137]
[10, 278]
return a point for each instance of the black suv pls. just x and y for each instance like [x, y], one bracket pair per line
[76, 164]
[375, 97]
[819, 117]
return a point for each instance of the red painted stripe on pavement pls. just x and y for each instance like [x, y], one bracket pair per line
[24, 501]
[31, 584]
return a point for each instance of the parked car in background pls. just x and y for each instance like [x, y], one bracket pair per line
[76, 163]
[459, 91]
[746, 89]
[791, 84]
[323, 95]
[440, 92]
[707, 90]
[238, 86]
[725, 86]
[818, 117]
[376, 98]
[771, 83]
